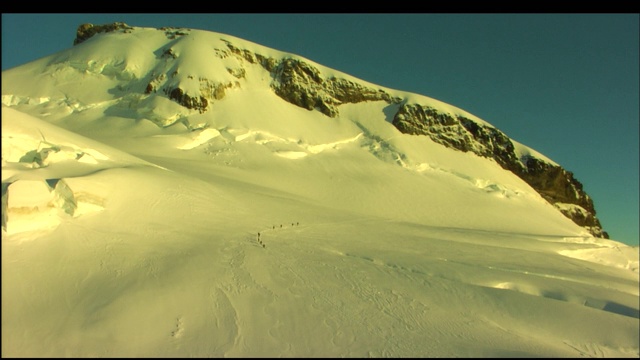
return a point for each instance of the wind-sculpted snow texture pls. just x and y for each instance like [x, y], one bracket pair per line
[179, 193]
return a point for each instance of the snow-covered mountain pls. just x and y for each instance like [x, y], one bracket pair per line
[177, 192]
[167, 75]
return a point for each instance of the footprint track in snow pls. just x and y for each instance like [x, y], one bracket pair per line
[179, 329]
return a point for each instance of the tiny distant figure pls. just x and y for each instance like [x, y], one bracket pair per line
[274, 226]
[280, 225]
[292, 224]
[263, 246]
[298, 223]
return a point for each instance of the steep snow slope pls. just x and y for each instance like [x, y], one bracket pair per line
[264, 229]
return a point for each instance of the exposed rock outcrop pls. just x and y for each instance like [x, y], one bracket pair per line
[555, 184]
[191, 102]
[173, 32]
[200, 100]
[293, 80]
[86, 31]
[268, 63]
[303, 85]
[558, 186]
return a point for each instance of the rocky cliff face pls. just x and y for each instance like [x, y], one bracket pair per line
[560, 188]
[303, 85]
[86, 31]
[300, 84]
[555, 184]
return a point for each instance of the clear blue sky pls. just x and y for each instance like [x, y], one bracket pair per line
[563, 84]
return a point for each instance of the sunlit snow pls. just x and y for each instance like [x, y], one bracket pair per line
[263, 229]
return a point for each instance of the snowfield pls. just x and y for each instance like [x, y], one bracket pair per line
[266, 230]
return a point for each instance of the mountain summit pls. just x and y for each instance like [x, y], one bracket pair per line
[180, 66]
[179, 192]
